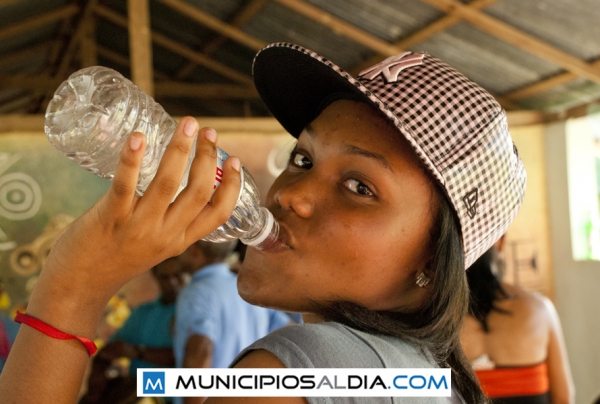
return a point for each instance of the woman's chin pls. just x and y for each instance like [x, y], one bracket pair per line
[249, 287]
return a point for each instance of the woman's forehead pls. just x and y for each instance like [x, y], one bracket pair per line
[357, 128]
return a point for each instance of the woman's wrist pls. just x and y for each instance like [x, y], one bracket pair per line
[67, 303]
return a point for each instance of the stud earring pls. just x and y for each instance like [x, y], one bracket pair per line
[422, 280]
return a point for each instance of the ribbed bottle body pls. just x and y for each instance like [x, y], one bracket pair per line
[92, 114]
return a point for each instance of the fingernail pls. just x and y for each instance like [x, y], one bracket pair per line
[235, 164]
[190, 128]
[210, 134]
[135, 142]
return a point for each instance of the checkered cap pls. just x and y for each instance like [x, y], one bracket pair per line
[455, 127]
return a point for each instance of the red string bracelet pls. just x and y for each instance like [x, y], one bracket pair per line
[53, 332]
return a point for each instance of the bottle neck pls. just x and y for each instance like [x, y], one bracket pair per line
[264, 232]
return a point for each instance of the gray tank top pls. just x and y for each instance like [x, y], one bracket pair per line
[333, 345]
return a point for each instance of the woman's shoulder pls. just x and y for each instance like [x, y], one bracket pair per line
[529, 303]
[331, 344]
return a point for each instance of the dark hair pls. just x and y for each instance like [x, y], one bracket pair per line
[154, 269]
[436, 324]
[485, 288]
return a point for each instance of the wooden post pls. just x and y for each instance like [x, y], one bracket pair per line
[140, 45]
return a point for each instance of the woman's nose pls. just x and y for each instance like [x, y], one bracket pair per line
[297, 195]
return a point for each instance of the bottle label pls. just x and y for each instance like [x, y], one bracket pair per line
[221, 157]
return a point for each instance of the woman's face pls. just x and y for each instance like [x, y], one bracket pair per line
[355, 209]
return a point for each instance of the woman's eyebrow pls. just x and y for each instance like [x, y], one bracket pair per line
[357, 151]
[350, 149]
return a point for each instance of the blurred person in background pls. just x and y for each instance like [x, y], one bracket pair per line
[513, 339]
[145, 339]
[8, 333]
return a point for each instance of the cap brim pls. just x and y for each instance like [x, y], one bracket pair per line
[293, 85]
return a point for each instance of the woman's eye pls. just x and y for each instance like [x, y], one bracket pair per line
[358, 187]
[300, 160]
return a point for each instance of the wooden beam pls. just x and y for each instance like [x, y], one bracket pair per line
[15, 104]
[39, 98]
[544, 85]
[423, 34]
[518, 38]
[25, 53]
[215, 24]
[113, 56]
[12, 123]
[341, 27]
[34, 82]
[39, 20]
[524, 118]
[124, 61]
[71, 51]
[506, 104]
[60, 43]
[64, 67]
[182, 50]
[247, 13]
[211, 91]
[239, 20]
[540, 86]
[163, 88]
[4, 3]
[205, 61]
[140, 44]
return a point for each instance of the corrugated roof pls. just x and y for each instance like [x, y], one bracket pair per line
[347, 32]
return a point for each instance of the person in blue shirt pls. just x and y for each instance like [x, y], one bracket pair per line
[8, 333]
[146, 338]
[212, 322]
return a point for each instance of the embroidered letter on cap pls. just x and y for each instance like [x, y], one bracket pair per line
[470, 200]
[391, 67]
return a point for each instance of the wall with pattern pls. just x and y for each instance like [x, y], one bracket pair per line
[40, 193]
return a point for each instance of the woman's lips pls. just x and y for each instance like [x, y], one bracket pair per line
[282, 243]
[275, 246]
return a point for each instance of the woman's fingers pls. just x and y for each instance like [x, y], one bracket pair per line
[200, 186]
[165, 184]
[222, 204]
[120, 196]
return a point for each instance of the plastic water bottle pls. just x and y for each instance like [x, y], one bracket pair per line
[89, 119]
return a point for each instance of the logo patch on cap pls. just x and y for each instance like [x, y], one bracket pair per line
[470, 200]
[391, 67]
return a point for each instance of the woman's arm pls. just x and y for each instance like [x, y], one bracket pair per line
[121, 236]
[562, 390]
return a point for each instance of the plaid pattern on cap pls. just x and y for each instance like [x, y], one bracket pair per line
[455, 127]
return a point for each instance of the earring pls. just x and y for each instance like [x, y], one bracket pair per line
[422, 280]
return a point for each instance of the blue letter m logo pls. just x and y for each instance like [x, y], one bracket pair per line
[154, 382]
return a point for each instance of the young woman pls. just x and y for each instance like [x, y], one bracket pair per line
[513, 339]
[400, 179]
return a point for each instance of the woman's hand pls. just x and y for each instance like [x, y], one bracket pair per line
[123, 235]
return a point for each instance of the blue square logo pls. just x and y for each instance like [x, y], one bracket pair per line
[154, 382]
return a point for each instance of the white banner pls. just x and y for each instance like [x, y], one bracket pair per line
[413, 382]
